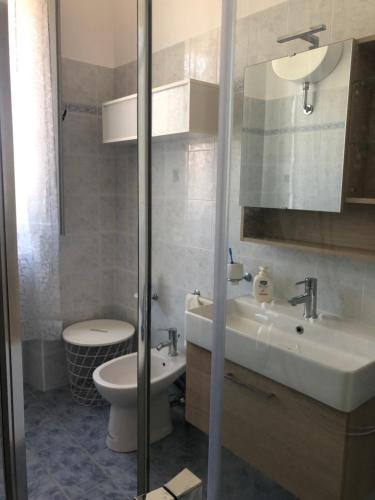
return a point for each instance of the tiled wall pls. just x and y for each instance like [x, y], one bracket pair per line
[183, 188]
[184, 172]
[346, 286]
[183, 222]
[98, 258]
[44, 366]
[87, 255]
[126, 250]
[293, 160]
[99, 253]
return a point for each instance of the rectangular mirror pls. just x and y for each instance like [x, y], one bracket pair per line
[294, 125]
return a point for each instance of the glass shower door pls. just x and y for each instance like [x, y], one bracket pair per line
[184, 176]
[292, 420]
[12, 433]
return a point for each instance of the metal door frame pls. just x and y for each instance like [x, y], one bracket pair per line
[228, 24]
[11, 372]
[144, 116]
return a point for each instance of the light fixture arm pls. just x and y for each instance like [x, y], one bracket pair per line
[307, 36]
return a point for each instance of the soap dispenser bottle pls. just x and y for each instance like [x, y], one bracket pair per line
[263, 286]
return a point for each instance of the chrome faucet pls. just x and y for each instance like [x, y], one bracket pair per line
[171, 343]
[309, 298]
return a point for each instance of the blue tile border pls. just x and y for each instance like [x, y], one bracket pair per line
[295, 130]
[90, 109]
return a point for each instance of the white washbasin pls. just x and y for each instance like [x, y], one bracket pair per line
[333, 361]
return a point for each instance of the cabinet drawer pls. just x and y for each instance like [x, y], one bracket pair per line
[293, 439]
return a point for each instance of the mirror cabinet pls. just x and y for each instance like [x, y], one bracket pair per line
[308, 151]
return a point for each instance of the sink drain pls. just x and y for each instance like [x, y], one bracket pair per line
[300, 329]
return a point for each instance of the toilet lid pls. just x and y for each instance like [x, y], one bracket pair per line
[98, 332]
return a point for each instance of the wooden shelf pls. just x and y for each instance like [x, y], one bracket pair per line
[362, 144]
[350, 233]
[368, 82]
[358, 253]
[360, 200]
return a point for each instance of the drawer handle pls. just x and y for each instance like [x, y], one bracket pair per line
[258, 392]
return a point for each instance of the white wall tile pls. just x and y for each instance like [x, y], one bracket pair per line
[81, 213]
[345, 285]
[304, 14]
[201, 183]
[204, 57]
[184, 183]
[79, 82]
[264, 28]
[352, 19]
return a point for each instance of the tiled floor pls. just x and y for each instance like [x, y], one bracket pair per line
[68, 459]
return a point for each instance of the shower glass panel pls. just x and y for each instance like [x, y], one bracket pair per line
[2, 483]
[185, 82]
[298, 417]
[90, 271]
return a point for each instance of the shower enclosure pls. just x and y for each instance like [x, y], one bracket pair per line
[13, 459]
[255, 132]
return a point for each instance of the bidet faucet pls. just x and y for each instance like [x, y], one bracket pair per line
[171, 343]
[309, 298]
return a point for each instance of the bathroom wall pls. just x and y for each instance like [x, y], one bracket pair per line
[87, 249]
[98, 259]
[88, 33]
[184, 173]
[289, 162]
[345, 285]
[104, 31]
[98, 253]
[87, 255]
[183, 189]
[290, 159]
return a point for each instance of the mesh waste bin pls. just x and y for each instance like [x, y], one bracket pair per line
[89, 344]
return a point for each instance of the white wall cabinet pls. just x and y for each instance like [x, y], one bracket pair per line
[188, 106]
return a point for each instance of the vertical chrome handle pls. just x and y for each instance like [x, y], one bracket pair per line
[257, 392]
[61, 114]
[144, 129]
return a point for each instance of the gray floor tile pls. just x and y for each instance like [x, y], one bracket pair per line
[45, 489]
[67, 457]
[105, 491]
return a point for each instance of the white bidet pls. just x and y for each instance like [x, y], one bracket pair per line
[116, 381]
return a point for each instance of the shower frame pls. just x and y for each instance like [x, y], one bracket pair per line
[144, 116]
[144, 110]
[11, 372]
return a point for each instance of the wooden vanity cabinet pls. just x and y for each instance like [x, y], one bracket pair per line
[303, 445]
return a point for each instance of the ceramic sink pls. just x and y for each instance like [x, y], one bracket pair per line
[328, 359]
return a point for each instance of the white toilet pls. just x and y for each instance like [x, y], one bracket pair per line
[116, 381]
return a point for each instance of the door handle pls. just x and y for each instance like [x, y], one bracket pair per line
[257, 392]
